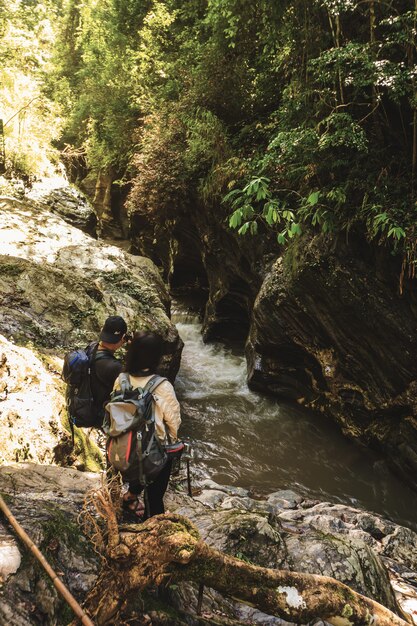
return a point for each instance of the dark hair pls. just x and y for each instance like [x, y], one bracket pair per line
[144, 352]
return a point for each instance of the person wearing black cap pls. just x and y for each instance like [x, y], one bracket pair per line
[106, 368]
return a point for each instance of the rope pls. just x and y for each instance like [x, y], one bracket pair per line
[65, 593]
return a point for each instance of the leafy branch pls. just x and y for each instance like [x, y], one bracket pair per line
[255, 203]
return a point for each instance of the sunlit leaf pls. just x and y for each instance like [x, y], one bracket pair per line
[244, 228]
[313, 198]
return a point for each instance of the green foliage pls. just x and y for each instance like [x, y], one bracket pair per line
[31, 120]
[300, 114]
[176, 151]
[339, 130]
[338, 153]
[254, 204]
[94, 79]
[382, 223]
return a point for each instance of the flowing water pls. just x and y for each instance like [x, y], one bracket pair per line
[245, 439]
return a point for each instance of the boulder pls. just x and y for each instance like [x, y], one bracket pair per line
[31, 403]
[330, 330]
[65, 200]
[57, 284]
[46, 501]
[372, 555]
[34, 423]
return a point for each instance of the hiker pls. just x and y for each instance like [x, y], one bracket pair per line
[106, 367]
[142, 359]
[90, 374]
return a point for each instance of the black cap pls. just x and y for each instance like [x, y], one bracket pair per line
[113, 330]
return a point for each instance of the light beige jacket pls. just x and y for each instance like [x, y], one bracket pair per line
[167, 407]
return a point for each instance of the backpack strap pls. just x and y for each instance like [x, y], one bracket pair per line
[71, 423]
[98, 355]
[153, 383]
[91, 351]
[101, 355]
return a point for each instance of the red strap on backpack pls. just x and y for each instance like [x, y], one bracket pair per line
[129, 446]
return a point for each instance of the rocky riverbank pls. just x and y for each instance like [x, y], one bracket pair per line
[330, 330]
[57, 285]
[324, 319]
[370, 554]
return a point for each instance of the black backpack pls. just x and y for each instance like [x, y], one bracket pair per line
[82, 410]
[133, 447]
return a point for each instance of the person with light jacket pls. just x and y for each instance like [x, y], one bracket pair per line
[142, 359]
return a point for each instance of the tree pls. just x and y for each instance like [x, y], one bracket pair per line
[167, 548]
[31, 119]
[341, 134]
[94, 79]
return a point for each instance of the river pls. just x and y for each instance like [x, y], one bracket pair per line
[245, 439]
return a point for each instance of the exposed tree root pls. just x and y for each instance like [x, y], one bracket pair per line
[167, 548]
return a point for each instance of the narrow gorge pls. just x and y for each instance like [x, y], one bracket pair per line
[239, 177]
[256, 459]
[324, 324]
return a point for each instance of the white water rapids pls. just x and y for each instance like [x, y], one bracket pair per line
[252, 441]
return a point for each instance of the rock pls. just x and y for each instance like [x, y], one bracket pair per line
[98, 185]
[285, 499]
[10, 558]
[57, 285]
[347, 559]
[213, 494]
[211, 497]
[47, 482]
[67, 201]
[31, 402]
[228, 489]
[401, 545]
[244, 504]
[330, 330]
[201, 255]
[46, 501]
[353, 546]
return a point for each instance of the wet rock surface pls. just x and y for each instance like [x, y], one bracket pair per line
[331, 331]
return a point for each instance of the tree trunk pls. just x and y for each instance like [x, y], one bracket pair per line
[167, 548]
[102, 204]
[372, 21]
[414, 156]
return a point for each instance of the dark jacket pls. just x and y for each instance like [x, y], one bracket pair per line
[104, 372]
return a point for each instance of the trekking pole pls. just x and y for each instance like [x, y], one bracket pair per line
[190, 491]
[59, 585]
[200, 598]
[146, 502]
[187, 456]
